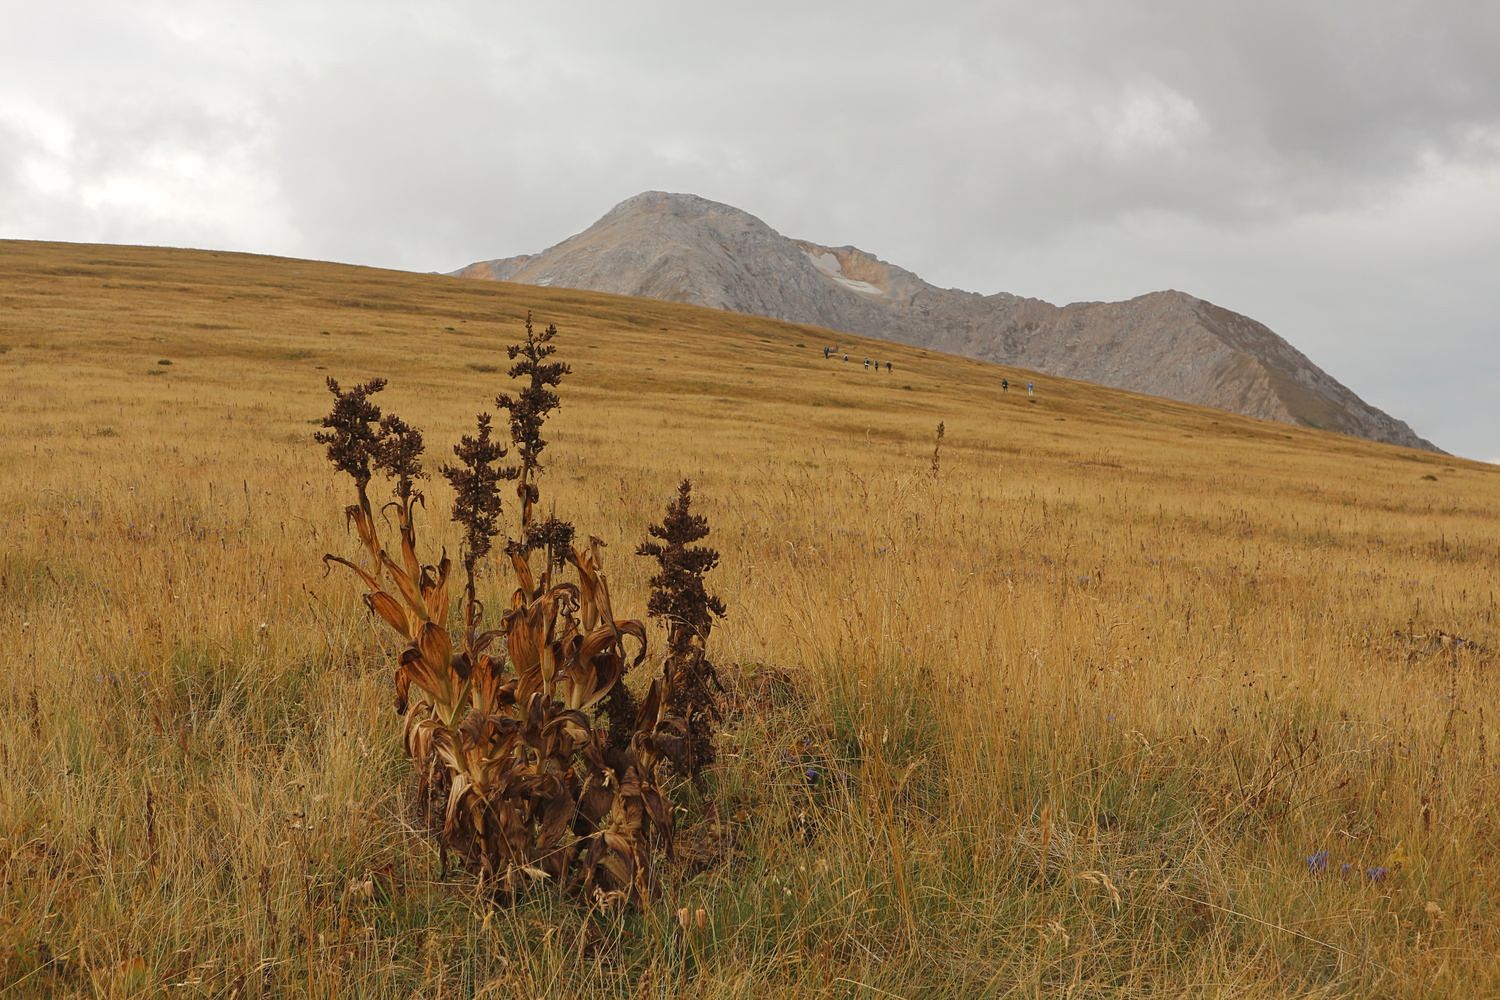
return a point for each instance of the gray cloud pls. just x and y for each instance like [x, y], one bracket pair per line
[1328, 168]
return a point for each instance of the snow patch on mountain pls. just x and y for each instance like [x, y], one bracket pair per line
[829, 265]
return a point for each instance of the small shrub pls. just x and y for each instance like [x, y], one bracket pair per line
[506, 725]
[165, 361]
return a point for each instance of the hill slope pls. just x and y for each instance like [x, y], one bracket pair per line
[683, 248]
[1069, 704]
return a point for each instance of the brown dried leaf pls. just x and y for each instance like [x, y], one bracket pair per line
[369, 580]
[388, 608]
[436, 648]
[411, 592]
[364, 526]
[434, 587]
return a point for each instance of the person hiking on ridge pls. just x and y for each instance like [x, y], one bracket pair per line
[1005, 385]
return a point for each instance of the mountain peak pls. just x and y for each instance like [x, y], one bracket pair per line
[686, 248]
[676, 203]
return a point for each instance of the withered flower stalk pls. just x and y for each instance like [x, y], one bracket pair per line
[353, 432]
[680, 600]
[476, 483]
[528, 411]
[529, 408]
[398, 451]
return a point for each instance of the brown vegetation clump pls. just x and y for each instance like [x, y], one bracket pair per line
[504, 724]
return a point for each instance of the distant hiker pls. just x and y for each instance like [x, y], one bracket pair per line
[846, 359]
[867, 364]
[887, 367]
[1005, 385]
[1031, 391]
[825, 353]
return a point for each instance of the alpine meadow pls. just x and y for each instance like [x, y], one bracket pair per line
[1083, 694]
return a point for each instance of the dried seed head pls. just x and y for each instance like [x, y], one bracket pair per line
[529, 408]
[476, 486]
[353, 431]
[678, 595]
[554, 536]
[398, 453]
[680, 599]
[361, 439]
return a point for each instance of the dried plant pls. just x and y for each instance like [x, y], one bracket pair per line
[680, 599]
[476, 483]
[506, 724]
[353, 430]
[528, 409]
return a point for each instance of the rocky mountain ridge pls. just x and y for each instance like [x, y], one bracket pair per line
[684, 248]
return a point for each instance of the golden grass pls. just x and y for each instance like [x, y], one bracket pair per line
[1078, 710]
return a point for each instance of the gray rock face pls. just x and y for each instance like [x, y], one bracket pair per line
[683, 248]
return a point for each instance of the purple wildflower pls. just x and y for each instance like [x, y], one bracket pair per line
[1317, 863]
[1378, 873]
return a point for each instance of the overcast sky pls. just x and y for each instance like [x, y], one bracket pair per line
[1330, 168]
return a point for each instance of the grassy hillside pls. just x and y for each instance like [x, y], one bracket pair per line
[1072, 716]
